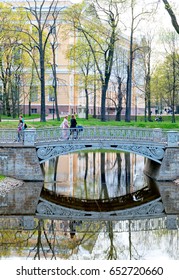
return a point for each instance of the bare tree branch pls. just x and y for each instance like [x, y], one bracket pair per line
[172, 15]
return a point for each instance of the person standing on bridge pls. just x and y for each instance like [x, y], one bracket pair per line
[64, 125]
[23, 121]
[19, 130]
[73, 124]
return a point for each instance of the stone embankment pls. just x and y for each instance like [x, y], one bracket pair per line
[8, 184]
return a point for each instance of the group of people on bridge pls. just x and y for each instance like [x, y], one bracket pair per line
[73, 132]
[70, 130]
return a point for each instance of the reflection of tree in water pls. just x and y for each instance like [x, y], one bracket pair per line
[48, 241]
[51, 173]
[133, 253]
[85, 175]
[52, 243]
[127, 171]
[96, 170]
[15, 240]
[119, 161]
[111, 166]
[111, 251]
[85, 237]
[45, 245]
[104, 189]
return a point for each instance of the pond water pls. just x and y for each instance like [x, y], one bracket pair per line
[96, 206]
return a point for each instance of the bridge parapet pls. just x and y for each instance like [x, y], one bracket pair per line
[8, 135]
[35, 137]
[172, 139]
[30, 137]
[96, 133]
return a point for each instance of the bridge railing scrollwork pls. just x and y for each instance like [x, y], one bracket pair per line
[55, 134]
[8, 135]
[101, 133]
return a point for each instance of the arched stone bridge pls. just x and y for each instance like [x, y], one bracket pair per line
[160, 147]
[51, 142]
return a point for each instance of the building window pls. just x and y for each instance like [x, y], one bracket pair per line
[34, 111]
[51, 111]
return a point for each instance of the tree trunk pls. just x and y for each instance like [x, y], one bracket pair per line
[119, 107]
[128, 172]
[29, 107]
[42, 82]
[148, 96]
[54, 70]
[172, 15]
[94, 103]
[127, 113]
[103, 103]
[87, 103]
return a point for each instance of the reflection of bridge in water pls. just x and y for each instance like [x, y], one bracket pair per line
[143, 210]
[145, 224]
[156, 200]
[138, 198]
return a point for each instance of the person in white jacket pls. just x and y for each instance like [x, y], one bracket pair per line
[64, 125]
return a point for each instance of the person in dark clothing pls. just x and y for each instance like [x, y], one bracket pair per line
[73, 124]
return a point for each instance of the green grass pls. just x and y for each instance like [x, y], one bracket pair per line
[165, 124]
[2, 177]
[33, 116]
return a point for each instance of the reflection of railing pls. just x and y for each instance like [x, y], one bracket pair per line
[135, 225]
[112, 204]
[107, 133]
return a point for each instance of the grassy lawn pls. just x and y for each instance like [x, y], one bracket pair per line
[32, 123]
[2, 177]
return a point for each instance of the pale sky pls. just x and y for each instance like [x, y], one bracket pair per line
[76, 1]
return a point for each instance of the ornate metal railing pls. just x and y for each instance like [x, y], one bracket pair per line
[100, 133]
[8, 135]
[56, 134]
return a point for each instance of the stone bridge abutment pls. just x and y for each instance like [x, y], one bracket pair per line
[168, 170]
[21, 163]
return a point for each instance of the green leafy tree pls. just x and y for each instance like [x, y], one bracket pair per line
[165, 82]
[83, 62]
[138, 13]
[12, 60]
[41, 23]
[97, 23]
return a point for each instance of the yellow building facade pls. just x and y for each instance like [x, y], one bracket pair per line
[70, 97]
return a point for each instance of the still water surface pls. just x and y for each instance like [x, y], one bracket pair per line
[100, 183]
